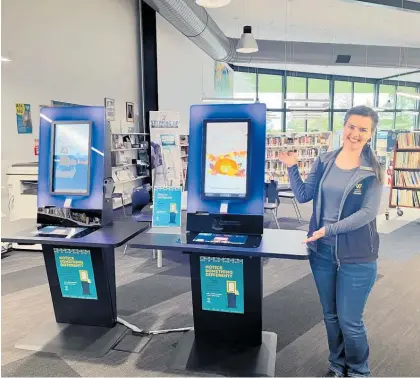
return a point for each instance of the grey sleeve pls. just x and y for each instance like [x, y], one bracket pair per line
[365, 215]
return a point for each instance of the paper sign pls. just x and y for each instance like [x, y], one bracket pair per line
[23, 119]
[167, 207]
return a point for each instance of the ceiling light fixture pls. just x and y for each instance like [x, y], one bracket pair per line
[247, 44]
[3, 59]
[212, 3]
[415, 96]
[227, 100]
[307, 100]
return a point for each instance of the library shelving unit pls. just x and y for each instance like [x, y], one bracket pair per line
[405, 183]
[184, 146]
[307, 145]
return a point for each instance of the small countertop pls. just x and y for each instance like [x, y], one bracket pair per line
[283, 244]
[111, 235]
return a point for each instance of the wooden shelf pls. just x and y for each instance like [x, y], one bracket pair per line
[296, 146]
[130, 180]
[407, 169]
[409, 149]
[406, 188]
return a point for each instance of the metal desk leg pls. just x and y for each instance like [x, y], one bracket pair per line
[153, 254]
[159, 258]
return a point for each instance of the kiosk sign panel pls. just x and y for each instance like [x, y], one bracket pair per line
[167, 207]
[75, 273]
[222, 284]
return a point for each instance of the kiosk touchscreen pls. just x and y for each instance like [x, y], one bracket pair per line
[70, 160]
[225, 159]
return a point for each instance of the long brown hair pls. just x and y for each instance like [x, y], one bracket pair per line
[366, 111]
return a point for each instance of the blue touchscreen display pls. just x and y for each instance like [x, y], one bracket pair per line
[71, 158]
[220, 238]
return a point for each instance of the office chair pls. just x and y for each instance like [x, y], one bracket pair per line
[272, 200]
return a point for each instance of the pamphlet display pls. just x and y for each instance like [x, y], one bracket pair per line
[75, 273]
[226, 159]
[222, 284]
[167, 207]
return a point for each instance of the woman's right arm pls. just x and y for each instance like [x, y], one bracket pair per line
[303, 191]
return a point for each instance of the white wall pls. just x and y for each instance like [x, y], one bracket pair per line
[185, 72]
[77, 51]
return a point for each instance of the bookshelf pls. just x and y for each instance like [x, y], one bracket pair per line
[405, 183]
[307, 146]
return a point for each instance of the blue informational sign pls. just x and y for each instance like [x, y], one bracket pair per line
[23, 118]
[75, 273]
[167, 207]
[222, 284]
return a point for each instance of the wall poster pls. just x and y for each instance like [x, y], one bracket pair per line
[75, 273]
[222, 284]
[23, 118]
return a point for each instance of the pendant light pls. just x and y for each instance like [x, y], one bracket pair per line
[247, 44]
[212, 3]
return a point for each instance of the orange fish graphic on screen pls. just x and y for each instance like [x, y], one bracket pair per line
[226, 165]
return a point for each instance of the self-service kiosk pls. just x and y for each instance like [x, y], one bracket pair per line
[77, 232]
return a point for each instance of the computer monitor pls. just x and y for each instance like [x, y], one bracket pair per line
[225, 159]
[70, 158]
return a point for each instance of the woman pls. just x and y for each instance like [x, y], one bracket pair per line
[346, 188]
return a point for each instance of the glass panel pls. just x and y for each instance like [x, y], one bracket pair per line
[405, 121]
[270, 89]
[319, 123]
[296, 89]
[342, 95]
[318, 89]
[244, 85]
[338, 121]
[274, 122]
[405, 102]
[386, 120]
[386, 97]
[363, 94]
[294, 124]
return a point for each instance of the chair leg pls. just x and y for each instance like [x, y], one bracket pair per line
[159, 258]
[275, 219]
[153, 254]
[123, 205]
[297, 211]
[125, 249]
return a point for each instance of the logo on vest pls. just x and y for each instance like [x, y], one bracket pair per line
[358, 190]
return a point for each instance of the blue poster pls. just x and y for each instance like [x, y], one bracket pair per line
[23, 118]
[167, 207]
[75, 273]
[222, 284]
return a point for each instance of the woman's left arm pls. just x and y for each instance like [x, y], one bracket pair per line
[366, 214]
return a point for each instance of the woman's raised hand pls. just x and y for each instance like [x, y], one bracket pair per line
[288, 158]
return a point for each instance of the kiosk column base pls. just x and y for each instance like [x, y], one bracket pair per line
[258, 361]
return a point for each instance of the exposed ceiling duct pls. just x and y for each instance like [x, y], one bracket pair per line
[196, 24]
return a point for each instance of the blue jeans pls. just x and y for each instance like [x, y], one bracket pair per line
[343, 293]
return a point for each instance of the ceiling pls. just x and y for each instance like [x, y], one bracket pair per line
[325, 21]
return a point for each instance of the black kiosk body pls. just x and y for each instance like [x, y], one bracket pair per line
[77, 234]
[226, 242]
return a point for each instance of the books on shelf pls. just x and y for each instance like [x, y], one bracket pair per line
[409, 160]
[407, 179]
[409, 140]
[307, 147]
[405, 197]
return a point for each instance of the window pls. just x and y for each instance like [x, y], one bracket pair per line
[318, 123]
[270, 90]
[294, 122]
[387, 97]
[244, 85]
[405, 121]
[405, 102]
[318, 89]
[338, 121]
[296, 89]
[274, 122]
[363, 94]
[386, 120]
[342, 95]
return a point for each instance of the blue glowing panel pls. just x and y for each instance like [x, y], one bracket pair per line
[71, 158]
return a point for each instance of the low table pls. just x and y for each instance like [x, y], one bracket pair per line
[85, 322]
[229, 340]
